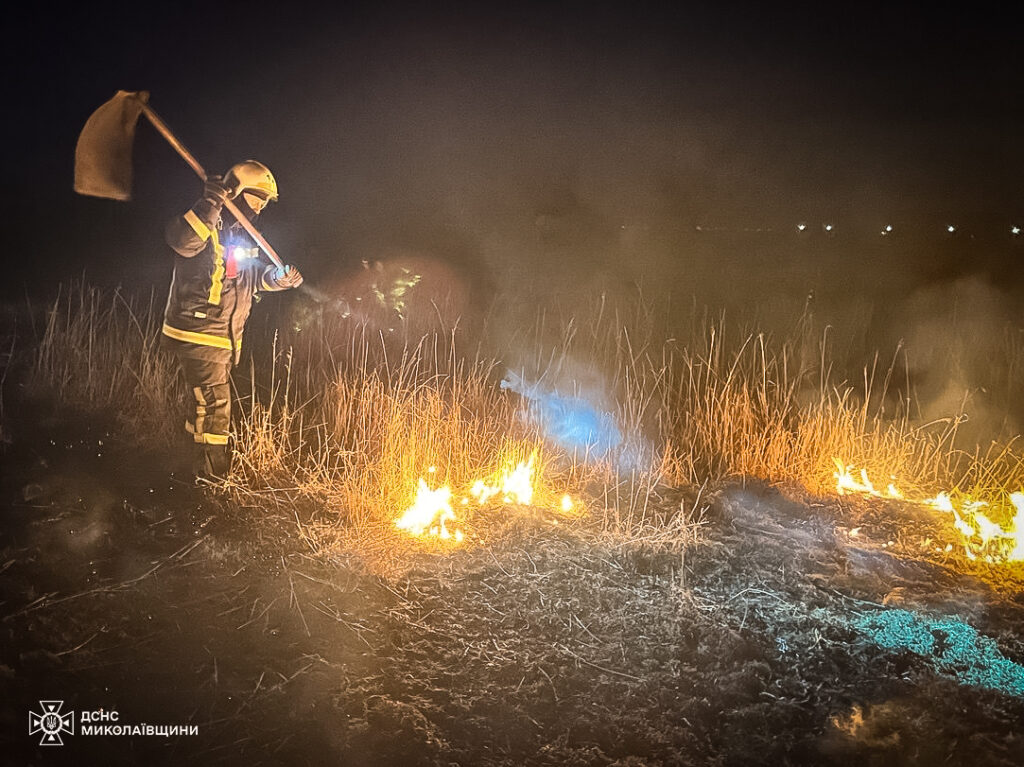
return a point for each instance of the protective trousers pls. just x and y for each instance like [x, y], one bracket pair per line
[208, 419]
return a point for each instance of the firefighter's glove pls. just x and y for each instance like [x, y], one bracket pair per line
[233, 184]
[286, 276]
[216, 192]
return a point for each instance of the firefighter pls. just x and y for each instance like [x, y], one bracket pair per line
[216, 274]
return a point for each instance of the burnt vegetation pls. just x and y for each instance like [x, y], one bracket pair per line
[708, 599]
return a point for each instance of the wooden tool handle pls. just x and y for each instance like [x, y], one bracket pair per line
[164, 131]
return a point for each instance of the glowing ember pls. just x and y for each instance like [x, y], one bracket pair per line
[983, 538]
[432, 514]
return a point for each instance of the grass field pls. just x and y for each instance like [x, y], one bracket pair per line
[350, 414]
[682, 584]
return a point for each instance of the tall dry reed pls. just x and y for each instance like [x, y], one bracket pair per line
[100, 351]
[354, 415]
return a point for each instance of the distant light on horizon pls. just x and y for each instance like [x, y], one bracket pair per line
[831, 230]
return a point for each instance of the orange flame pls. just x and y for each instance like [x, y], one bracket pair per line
[983, 538]
[432, 515]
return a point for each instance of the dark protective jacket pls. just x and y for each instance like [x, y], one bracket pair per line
[216, 275]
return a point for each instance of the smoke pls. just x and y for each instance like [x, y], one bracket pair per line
[537, 161]
[578, 426]
[964, 354]
[544, 156]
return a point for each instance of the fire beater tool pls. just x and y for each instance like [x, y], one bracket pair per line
[103, 168]
[103, 155]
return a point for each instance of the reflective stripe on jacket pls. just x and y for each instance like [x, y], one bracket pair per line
[213, 284]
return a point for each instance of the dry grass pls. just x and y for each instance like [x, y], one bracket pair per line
[100, 351]
[349, 424]
[762, 409]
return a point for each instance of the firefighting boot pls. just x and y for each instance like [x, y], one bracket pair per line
[213, 462]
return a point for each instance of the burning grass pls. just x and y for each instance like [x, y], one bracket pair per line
[358, 426]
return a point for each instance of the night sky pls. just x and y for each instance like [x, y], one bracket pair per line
[462, 131]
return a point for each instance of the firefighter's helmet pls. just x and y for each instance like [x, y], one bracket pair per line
[253, 177]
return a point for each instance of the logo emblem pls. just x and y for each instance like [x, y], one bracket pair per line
[51, 723]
